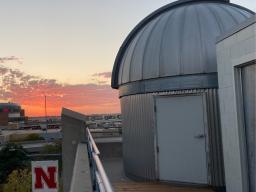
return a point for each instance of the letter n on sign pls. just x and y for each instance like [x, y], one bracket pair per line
[45, 176]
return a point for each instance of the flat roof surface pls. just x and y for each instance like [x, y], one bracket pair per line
[127, 186]
[120, 183]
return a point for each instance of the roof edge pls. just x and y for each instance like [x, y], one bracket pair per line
[195, 81]
[10, 104]
[145, 21]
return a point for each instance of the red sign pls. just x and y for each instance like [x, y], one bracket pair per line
[45, 176]
[6, 110]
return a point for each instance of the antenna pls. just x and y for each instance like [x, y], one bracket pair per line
[45, 112]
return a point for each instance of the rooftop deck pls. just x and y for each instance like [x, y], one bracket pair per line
[112, 161]
[121, 183]
[115, 172]
[130, 186]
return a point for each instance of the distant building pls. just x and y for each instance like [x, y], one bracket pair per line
[11, 112]
[96, 117]
[99, 121]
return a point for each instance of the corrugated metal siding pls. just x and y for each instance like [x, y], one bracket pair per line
[179, 41]
[216, 164]
[139, 137]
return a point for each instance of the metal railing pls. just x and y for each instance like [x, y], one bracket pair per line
[100, 181]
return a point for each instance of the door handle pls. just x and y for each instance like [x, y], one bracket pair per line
[200, 136]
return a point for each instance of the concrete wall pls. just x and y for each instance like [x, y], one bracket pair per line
[233, 50]
[73, 131]
[81, 180]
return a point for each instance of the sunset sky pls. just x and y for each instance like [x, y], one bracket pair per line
[65, 49]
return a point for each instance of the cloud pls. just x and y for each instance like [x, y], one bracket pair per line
[3, 70]
[10, 58]
[29, 91]
[106, 75]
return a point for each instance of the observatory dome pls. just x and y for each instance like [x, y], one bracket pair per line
[176, 40]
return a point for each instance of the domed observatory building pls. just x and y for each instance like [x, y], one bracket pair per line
[166, 73]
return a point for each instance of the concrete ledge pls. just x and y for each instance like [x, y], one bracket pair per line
[73, 133]
[81, 179]
[73, 114]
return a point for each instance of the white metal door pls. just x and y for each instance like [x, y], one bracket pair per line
[181, 139]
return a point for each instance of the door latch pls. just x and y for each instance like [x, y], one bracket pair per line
[200, 136]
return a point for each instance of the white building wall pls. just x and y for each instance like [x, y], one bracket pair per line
[237, 49]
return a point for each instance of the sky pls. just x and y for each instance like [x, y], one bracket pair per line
[65, 49]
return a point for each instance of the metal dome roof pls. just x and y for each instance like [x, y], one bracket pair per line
[177, 39]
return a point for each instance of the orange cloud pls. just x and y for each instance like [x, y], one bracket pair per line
[29, 91]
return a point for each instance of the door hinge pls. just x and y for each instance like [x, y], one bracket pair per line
[154, 108]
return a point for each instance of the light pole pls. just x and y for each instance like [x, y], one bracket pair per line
[46, 119]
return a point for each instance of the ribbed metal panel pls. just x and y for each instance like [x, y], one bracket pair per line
[139, 135]
[216, 164]
[176, 40]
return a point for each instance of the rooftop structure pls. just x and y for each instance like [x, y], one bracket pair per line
[176, 40]
[236, 53]
[166, 73]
